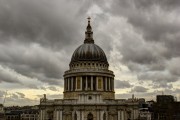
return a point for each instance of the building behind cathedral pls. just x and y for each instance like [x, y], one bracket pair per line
[88, 89]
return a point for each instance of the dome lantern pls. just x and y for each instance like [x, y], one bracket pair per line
[88, 33]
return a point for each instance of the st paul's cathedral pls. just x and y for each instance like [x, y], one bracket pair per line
[88, 89]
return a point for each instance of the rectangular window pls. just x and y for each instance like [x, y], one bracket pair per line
[74, 83]
[66, 83]
[89, 82]
[69, 84]
[94, 82]
[83, 82]
[100, 79]
[108, 83]
[104, 83]
[78, 80]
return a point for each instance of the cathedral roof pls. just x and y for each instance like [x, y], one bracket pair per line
[89, 51]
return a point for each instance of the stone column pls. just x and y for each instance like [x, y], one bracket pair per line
[96, 82]
[67, 84]
[64, 84]
[57, 114]
[86, 84]
[81, 83]
[135, 114]
[107, 116]
[112, 84]
[119, 115]
[40, 115]
[101, 115]
[72, 83]
[105, 83]
[76, 84]
[73, 115]
[82, 115]
[60, 115]
[109, 84]
[98, 115]
[122, 115]
[91, 82]
[78, 115]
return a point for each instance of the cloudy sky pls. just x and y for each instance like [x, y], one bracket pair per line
[141, 39]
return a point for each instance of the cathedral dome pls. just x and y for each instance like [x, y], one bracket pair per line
[89, 52]
[88, 73]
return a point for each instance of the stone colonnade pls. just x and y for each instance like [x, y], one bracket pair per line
[89, 83]
[83, 115]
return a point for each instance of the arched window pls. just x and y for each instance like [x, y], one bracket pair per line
[90, 116]
[75, 116]
[104, 116]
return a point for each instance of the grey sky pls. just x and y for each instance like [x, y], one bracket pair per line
[141, 39]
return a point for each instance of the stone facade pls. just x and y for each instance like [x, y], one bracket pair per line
[88, 89]
[88, 104]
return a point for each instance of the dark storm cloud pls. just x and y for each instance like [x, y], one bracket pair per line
[154, 24]
[158, 76]
[38, 21]
[155, 44]
[53, 88]
[23, 67]
[166, 4]
[174, 67]
[139, 89]
[7, 75]
[37, 36]
[122, 84]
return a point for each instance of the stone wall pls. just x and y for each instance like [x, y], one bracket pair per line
[72, 95]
